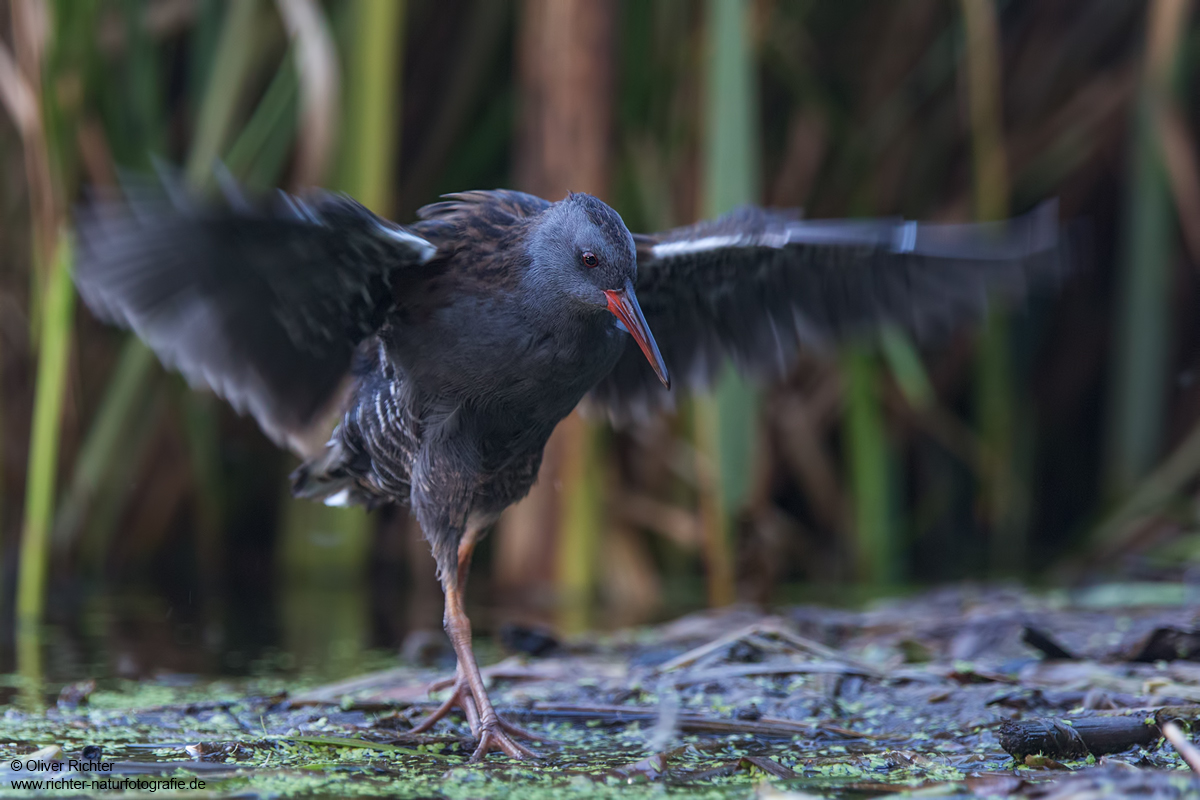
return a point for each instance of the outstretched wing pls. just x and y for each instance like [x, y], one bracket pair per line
[265, 305]
[755, 285]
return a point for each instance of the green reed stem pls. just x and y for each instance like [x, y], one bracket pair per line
[53, 360]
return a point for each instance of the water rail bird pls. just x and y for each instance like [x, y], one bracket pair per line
[447, 350]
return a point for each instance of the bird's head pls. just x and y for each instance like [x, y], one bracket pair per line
[582, 253]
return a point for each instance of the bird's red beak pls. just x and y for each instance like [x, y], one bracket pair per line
[624, 306]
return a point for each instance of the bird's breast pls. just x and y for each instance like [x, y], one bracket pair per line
[488, 353]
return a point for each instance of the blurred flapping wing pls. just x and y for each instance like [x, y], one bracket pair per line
[265, 305]
[755, 285]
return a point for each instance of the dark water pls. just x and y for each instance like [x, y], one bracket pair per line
[311, 635]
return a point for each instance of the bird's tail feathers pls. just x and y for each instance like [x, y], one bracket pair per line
[327, 479]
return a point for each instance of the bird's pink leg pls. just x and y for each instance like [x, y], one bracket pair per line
[469, 693]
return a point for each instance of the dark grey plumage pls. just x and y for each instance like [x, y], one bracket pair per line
[755, 285]
[465, 337]
[459, 391]
[470, 348]
[264, 305]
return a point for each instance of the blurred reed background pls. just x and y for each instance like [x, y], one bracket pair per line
[1058, 440]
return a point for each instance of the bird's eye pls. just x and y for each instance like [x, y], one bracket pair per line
[589, 260]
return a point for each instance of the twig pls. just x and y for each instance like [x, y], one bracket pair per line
[1044, 644]
[1187, 751]
[696, 653]
[768, 627]
[694, 723]
[748, 670]
[332, 692]
[772, 627]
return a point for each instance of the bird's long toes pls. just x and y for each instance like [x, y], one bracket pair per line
[494, 738]
[460, 698]
[493, 732]
[425, 725]
[443, 683]
[467, 703]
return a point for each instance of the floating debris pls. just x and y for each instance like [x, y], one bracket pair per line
[807, 703]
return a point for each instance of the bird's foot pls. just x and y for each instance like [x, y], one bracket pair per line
[500, 737]
[493, 731]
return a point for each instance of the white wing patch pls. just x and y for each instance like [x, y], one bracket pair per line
[900, 236]
[687, 247]
[304, 212]
[396, 233]
[906, 238]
